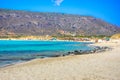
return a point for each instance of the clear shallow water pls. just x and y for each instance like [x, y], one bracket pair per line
[18, 51]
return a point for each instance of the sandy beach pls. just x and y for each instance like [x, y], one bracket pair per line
[98, 66]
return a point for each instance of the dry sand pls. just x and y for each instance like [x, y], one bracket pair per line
[99, 66]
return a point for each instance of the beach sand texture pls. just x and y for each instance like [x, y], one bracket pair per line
[99, 66]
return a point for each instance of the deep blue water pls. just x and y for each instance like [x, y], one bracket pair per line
[13, 51]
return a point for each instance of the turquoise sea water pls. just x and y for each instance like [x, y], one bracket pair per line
[13, 51]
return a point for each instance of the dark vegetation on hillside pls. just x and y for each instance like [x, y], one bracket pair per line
[13, 22]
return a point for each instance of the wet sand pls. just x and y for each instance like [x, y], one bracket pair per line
[98, 66]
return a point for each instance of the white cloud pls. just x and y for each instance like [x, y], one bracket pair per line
[58, 2]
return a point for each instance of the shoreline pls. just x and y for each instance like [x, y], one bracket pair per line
[73, 53]
[43, 40]
[103, 66]
[96, 49]
[53, 56]
[57, 56]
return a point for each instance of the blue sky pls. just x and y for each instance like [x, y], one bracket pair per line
[108, 10]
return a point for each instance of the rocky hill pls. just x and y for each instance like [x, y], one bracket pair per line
[13, 22]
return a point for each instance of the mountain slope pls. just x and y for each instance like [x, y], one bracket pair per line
[13, 22]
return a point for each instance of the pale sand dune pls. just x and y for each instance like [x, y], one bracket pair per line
[102, 66]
